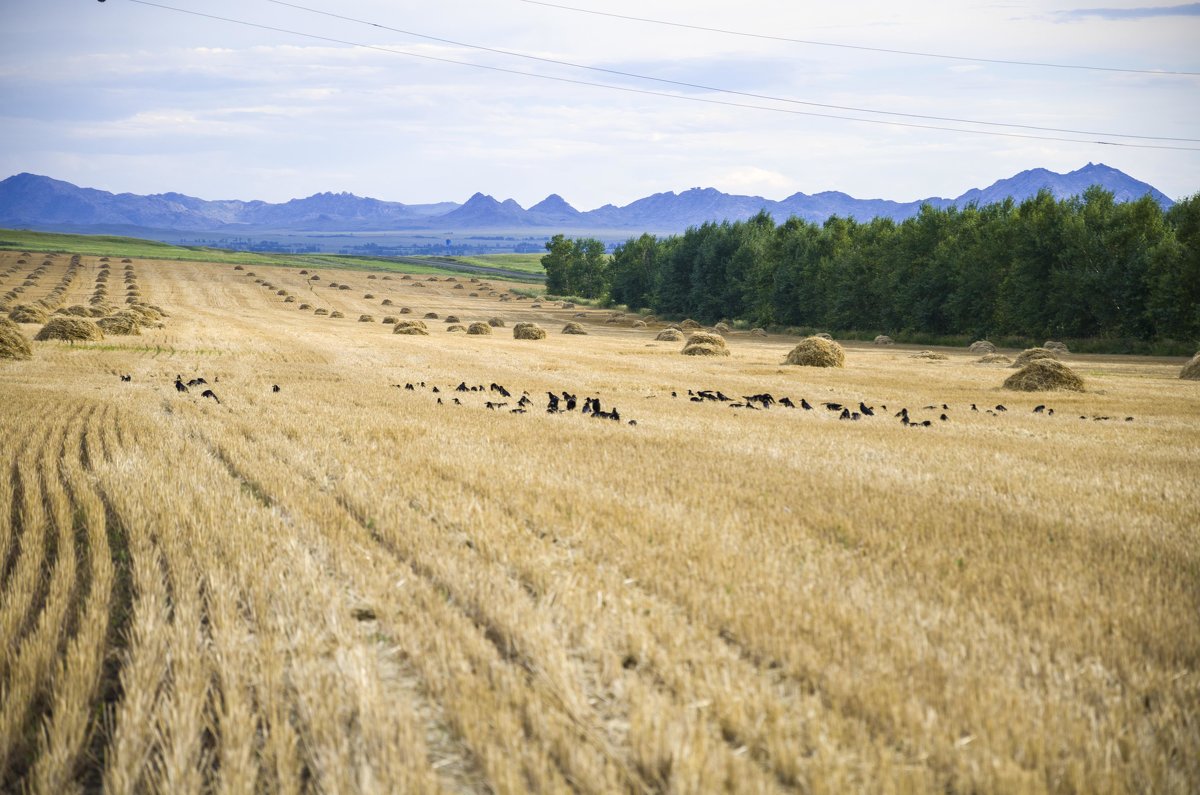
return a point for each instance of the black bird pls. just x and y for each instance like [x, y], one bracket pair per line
[696, 399]
[787, 401]
[126, 378]
[552, 407]
[494, 406]
[902, 413]
[674, 394]
[208, 393]
[516, 411]
[943, 418]
[632, 422]
[196, 382]
[274, 387]
[440, 402]
[722, 397]
[833, 406]
[1000, 407]
[804, 404]
[409, 387]
[845, 415]
[926, 424]
[974, 408]
[1038, 409]
[524, 401]
[457, 402]
[435, 389]
[865, 409]
[1049, 412]
[571, 402]
[179, 385]
[1129, 419]
[462, 387]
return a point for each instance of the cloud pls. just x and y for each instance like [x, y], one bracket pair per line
[1185, 10]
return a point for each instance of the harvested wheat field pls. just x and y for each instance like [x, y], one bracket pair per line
[355, 583]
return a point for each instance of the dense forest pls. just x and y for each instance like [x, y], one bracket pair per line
[1080, 268]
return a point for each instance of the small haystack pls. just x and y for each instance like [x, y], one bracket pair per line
[690, 325]
[368, 296]
[528, 331]
[1057, 347]
[372, 276]
[28, 313]
[404, 310]
[321, 312]
[431, 315]
[931, 355]
[451, 319]
[388, 320]
[639, 324]
[817, 352]
[414, 327]
[366, 319]
[981, 347]
[458, 287]
[757, 332]
[343, 287]
[495, 322]
[71, 329]
[13, 344]
[702, 343]
[994, 358]
[824, 335]
[1044, 374]
[479, 328]
[723, 328]
[456, 327]
[121, 324]
[573, 328]
[884, 339]
[1032, 354]
[1191, 370]
[78, 310]
[567, 305]
[669, 335]
[235, 267]
[386, 302]
[336, 313]
[305, 307]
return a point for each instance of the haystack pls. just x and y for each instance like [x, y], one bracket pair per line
[817, 352]
[404, 310]
[71, 329]
[495, 322]
[528, 331]
[568, 305]
[1191, 370]
[291, 299]
[1044, 374]
[458, 287]
[343, 287]
[456, 327]
[723, 328]
[929, 355]
[336, 313]
[690, 325]
[574, 328]
[884, 339]
[28, 313]
[669, 335]
[386, 302]
[980, 347]
[321, 312]
[994, 358]
[1054, 345]
[366, 319]
[535, 306]
[372, 276]
[757, 332]
[13, 344]
[305, 307]
[78, 310]
[479, 328]
[431, 315]
[238, 268]
[639, 324]
[416, 327]
[314, 278]
[389, 320]
[121, 324]
[703, 343]
[451, 319]
[368, 296]
[1033, 354]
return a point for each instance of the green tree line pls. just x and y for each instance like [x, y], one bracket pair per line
[1079, 268]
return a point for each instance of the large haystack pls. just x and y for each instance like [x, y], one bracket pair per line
[1032, 354]
[884, 339]
[669, 335]
[121, 324]
[479, 328]
[574, 328]
[528, 331]
[817, 352]
[703, 343]
[1191, 370]
[71, 329]
[13, 344]
[28, 313]
[415, 327]
[981, 347]
[1044, 374]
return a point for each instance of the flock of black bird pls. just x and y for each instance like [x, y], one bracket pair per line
[565, 402]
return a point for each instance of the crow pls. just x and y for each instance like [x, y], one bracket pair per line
[1038, 409]
[674, 394]
[974, 407]
[943, 418]
[902, 412]
[845, 415]
[457, 402]
[787, 401]
[126, 378]
[208, 393]
[552, 407]
[462, 387]
[570, 402]
[179, 385]
[436, 390]
[865, 409]
[196, 382]
[1000, 407]
[634, 422]
[833, 406]
[696, 399]
[524, 401]
[722, 397]
[494, 406]
[804, 404]
[274, 387]
[516, 411]
[409, 387]
[504, 392]
[440, 402]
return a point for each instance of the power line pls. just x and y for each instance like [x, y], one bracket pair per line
[1005, 61]
[647, 92]
[702, 87]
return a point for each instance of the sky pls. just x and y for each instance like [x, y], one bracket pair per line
[422, 102]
